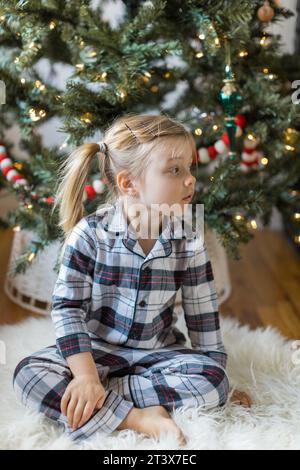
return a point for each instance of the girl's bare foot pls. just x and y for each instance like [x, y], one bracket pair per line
[152, 421]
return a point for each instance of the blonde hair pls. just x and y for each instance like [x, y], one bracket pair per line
[129, 141]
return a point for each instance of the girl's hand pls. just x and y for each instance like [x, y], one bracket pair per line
[83, 394]
[241, 398]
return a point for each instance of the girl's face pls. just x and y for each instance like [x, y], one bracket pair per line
[168, 179]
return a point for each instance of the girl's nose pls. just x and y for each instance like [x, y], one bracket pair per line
[190, 180]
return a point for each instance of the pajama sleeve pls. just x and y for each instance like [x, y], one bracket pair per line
[200, 306]
[72, 291]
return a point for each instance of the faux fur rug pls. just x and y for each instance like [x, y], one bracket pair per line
[261, 362]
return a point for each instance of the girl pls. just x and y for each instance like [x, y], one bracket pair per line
[119, 362]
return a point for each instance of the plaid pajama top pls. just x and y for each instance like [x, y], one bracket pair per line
[107, 288]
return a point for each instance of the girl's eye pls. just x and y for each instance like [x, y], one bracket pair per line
[176, 168]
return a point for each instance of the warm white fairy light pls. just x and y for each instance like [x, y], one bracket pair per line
[263, 41]
[243, 54]
[79, 66]
[63, 145]
[297, 216]
[201, 36]
[52, 25]
[23, 81]
[217, 42]
[40, 85]
[290, 148]
[199, 55]
[238, 217]
[297, 239]
[36, 115]
[31, 257]
[215, 127]
[198, 131]
[264, 161]
[17, 228]
[253, 224]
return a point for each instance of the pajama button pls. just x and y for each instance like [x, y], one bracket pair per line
[142, 303]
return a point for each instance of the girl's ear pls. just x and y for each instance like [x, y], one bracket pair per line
[125, 184]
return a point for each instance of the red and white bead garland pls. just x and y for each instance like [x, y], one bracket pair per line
[18, 180]
[8, 169]
[249, 158]
[97, 187]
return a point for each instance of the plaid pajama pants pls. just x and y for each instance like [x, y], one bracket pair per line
[172, 377]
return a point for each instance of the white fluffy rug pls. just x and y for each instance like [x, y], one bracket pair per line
[260, 362]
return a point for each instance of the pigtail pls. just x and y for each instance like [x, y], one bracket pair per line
[72, 178]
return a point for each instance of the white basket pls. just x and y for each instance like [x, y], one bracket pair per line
[33, 290]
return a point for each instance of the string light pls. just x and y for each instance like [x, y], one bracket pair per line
[253, 224]
[243, 54]
[79, 66]
[297, 216]
[92, 53]
[63, 146]
[52, 25]
[215, 127]
[297, 239]
[31, 257]
[217, 42]
[154, 89]
[166, 75]
[40, 85]
[294, 192]
[201, 36]
[86, 117]
[18, 166]
[199, 55]
[122, 94]
[17, 228]
[263, 41]
[101, 76]
[239, 217]
[290, 148]
[198, 131]
[23, 81]
[36, 115]
[264, 161]
[147, 76]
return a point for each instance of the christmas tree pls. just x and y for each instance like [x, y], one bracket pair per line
[234, 93]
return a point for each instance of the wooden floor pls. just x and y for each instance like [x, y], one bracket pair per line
[265, 285]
